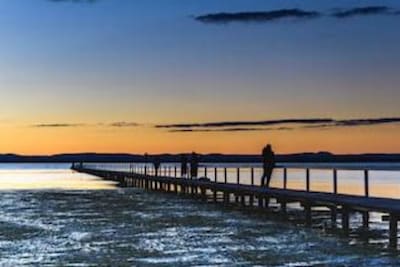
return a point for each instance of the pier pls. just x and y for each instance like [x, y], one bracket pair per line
[213, 186]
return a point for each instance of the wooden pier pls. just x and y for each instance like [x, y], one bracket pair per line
[340, 206]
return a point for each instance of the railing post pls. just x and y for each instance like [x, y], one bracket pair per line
[238, 176]
[145, 169]
[225, 175]
[308, 180]
[335, 181]
[175, 172]
[205, 171]
[366, 183]
[252, 175]
[284, 178]
[215, 175]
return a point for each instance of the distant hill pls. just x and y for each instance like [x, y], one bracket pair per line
[300, 157]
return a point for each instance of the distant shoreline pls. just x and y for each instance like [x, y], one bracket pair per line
[227, 158]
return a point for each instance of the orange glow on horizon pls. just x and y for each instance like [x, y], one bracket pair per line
[45, 141]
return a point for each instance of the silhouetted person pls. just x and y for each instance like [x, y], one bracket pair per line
[268, 165]
[156, 163]
[184, 167]
[194, 165]
[146, 160]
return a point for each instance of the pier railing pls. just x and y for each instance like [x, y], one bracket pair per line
[302, 176]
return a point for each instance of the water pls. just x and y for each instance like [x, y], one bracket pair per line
[63, 218]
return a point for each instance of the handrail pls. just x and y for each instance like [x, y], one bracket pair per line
[166, 170]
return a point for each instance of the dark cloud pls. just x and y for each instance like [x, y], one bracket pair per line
[266, 16]
[119, 124]
[361, 122]
[363, 11]
[245, 123]
[243, 126]
[231, 130]
[122, 124]
[260, 16]
[356, 123]
[57, 125]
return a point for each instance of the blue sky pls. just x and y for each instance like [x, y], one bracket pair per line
[70, 61]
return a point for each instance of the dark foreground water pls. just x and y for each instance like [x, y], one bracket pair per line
[130, 227]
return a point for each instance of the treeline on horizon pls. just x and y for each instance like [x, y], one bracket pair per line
[227, 158]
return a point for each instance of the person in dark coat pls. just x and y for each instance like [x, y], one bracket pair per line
[184, 167]
[268, 165]
[156, 163]
[194, 165]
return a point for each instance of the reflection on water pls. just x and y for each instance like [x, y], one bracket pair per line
[124, 227]
[47, 177]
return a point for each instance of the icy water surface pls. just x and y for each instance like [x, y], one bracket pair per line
[106, 226]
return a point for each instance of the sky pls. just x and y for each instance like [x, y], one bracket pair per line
[225, 76]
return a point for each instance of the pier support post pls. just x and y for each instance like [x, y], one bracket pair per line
[251, 200]
[203, 194]
[260, 201]
[345, 220]
[243, 200]
[393, 231]
[365, 220]
[308, 214]
[283, 207]
[333, 217]
[266, 202]
[226, 197]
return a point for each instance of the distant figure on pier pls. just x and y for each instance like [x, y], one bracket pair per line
[268, 165]
[156, 163]
[184, 167]
[194, 165]
[146, 160]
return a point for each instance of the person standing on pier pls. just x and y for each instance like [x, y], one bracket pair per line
[268, 165]
[156, 163]
[194, 165]
[184, 167]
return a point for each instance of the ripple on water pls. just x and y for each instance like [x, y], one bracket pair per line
[133, 227]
